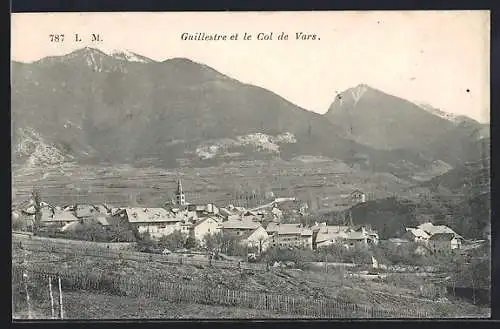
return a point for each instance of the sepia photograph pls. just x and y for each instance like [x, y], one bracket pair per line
[250, 165]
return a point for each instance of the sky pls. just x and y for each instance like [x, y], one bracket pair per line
[430, 57]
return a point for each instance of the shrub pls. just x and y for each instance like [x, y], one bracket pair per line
[173, 241]
[18, 224]
[298, 256]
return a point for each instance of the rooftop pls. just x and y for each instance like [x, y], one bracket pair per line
[355, 236]
[432, 229]
[150, 215]
[418, 232]
[59, 216]
[244, 224]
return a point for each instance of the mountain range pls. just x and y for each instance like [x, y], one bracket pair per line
[93, 107]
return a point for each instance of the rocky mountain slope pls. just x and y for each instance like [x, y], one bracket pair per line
[126, 108]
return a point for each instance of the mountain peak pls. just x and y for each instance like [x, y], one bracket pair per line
[353, 95]
[85, 53]
[90, 56]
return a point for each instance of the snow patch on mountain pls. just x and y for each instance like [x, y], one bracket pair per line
[261, 142]
[129, 56]
[94, 62]
[358, 92]
[37, 150]
[456, 119]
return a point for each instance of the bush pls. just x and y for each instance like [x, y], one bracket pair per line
[190, 243]
[173, 241]
[93, 231]
[298, 256]
[403, 254]
[146, 243]
[18, 224]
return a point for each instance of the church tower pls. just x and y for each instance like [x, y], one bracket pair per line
[180, 198]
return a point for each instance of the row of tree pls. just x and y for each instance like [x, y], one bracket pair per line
[215, 243]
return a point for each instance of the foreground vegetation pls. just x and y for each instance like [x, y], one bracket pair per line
[392, 293]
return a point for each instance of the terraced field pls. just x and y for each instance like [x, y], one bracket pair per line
[327, 182]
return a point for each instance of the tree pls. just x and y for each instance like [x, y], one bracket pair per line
[190, 242]
[262, 239]
[334, 252]
[228, 243]
[119, 232]
[146, 242]
[173, 241]
[214, 241]
[37, 199]
[18, 224]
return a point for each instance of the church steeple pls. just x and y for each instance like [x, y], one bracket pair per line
[179, 194]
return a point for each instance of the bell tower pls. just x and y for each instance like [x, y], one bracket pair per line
[180, 198]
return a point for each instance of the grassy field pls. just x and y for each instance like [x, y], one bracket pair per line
[91, 306]
[383, 294]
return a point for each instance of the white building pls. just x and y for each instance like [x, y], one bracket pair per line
[289, 235]
[329, 235]
[444, 242]
[157, 221]
[417, 235]
[239, 227]
[207, 225]
[257, 239]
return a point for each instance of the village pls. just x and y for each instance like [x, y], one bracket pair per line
[273, 225]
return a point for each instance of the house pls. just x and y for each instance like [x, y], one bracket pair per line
[28, 209]
[329, 235]
[157, 221]
[289, 235]
[252, 216]
[272, 228]
[306, 237]
[71, 227]
[203, 210]
[370, 235]
[416, 235]
[256, 239]
[207, 225]
[239, 226]
[57, 218]
[432, 229]
[356, 239]
[357, 196]
[103, 209]
[90, 212]
[225, 213]
[101, 219]
[276, 213]
[444, 242]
